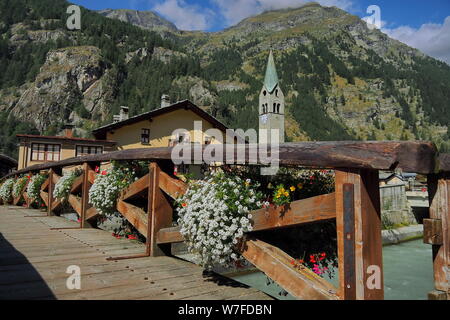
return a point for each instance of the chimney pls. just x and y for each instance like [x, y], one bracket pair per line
[165, 101]
[123, 113]
[68, 130]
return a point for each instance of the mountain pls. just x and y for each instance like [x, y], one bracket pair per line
[145, 19]
[341, 80]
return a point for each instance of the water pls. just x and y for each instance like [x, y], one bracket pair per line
[408, 273]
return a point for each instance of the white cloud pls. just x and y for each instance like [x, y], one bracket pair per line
[431, 38]
[185, 16]
[236, 10]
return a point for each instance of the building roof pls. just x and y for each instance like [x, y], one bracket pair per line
[271, 79]
[74, 139]
[383, 175]
[100, 133]
[8, 160]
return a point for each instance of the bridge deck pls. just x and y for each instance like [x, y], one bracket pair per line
[34, 261]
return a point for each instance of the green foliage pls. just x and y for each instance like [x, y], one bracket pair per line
[225, 62]
[9, 127]
[312, 117]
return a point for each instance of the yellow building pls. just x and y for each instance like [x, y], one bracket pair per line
[156, 128]
[35, 149]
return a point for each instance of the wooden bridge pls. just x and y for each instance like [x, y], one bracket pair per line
[32, 250]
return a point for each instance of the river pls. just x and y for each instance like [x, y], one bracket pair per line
[408, 273]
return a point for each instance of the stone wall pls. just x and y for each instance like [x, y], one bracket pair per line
[395, 209]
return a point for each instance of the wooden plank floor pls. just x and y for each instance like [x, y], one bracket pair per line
[34, 261]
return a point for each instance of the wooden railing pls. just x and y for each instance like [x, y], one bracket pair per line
[355, 205]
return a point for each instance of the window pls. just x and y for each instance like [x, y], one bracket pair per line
[87, 150]
[183, 138]
[45, 152]
[145, 136]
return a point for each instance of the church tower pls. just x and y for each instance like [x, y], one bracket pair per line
[271, 104]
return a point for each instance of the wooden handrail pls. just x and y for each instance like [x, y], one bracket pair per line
[410, 156]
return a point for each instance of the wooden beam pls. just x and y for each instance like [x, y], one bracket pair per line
[438, 295]
[439, 197]
[360, 244]
[411, 156]
[75, 202]
[50, 193]
[171, 186]
[299, 212]
[432, 231]
[77, 184]
[277, 265]
[136, 216]
[56, 204]
[169, 235]
[44, 186]
[91, 176]
[135, 188]
[86, 185]
[91, 213]
[159, 214]
[44, 197]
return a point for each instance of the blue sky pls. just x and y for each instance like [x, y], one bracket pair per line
[424, 24]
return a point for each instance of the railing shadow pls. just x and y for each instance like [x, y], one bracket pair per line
[19, 280]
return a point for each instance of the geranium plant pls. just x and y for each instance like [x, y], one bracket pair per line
[19, 186]
[107, 186]
[34, 188]
[214, 214]
[64, 184]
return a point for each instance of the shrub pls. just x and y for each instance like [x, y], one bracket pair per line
[6, 190]
[63, 186]
[34, 187]
[107, 186]
[19, 186]
[214, 215]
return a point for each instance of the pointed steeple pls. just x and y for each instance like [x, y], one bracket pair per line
[271, 79]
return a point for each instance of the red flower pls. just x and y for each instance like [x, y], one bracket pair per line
[104, 173]
[97, 169]
[184, 204]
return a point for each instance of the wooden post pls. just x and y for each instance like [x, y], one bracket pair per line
[85, 196]
[159, 214]
[358, 222]
[439, 226]
[50, 193]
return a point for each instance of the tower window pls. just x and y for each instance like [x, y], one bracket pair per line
[274, 107]
[276, 92]
[278, 108]
[264, 93]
